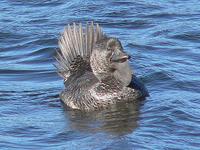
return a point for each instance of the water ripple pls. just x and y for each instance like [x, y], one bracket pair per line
[163, 40]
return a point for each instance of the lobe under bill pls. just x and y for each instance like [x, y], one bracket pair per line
[123, 73]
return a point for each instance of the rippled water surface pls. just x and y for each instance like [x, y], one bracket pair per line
[163, 38]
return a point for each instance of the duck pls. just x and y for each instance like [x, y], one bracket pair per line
[95, 69]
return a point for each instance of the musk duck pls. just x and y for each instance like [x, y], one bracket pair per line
[95, 69]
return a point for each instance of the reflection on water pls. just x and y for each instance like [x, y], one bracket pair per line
[118, 119]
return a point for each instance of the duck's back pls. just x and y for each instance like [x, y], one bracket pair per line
[81, 83]
[76, 94]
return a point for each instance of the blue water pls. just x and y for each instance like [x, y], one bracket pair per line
[163, 38]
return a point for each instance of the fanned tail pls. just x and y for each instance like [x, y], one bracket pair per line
[76, 46]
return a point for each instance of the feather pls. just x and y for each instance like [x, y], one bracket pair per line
[76, 42]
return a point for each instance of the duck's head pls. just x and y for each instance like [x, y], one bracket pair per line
[109, 59]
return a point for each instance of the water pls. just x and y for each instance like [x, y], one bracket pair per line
[163, 38]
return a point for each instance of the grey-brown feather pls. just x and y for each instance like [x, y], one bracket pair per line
[87, 93]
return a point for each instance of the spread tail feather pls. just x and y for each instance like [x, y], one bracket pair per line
[76, 46]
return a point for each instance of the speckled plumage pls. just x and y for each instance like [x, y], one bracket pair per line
[95, 69]
[87, 93]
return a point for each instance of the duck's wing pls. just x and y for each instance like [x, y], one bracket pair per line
[76, 44]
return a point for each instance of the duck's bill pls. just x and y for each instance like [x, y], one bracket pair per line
[120, 58]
